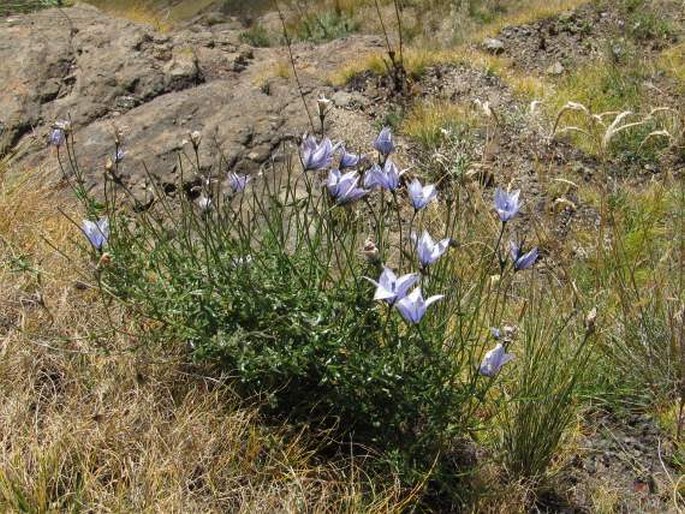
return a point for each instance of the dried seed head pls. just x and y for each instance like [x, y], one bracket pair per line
[370, 251]
[205, 204]
[63, 125]
[105, 260]
[323, 105]
[118, 135]
[195, 139]
[509, 331]
[590, 320]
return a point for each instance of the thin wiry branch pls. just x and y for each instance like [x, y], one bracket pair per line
[288, 44]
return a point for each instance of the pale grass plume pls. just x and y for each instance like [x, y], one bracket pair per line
[617, 126]
[602, 133]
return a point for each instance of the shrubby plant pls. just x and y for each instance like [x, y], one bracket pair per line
[319, 287]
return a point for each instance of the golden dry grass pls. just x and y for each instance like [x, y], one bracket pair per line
[429, 122]
[137, 12]
[673, 62]
[89, 422]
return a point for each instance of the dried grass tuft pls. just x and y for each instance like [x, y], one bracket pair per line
[90, 420]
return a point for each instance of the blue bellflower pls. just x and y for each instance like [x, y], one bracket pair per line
[238, 182]
[384, 143]
[373, 177]
[387, 177]
[316, 156]
[343, 187]
[427, 250]
[57, 137]
[413, 307]
[391, 288]
[522, 260]
[494, 360]
[506, 204]
[419, 195]
[97, 232]
[349, 160]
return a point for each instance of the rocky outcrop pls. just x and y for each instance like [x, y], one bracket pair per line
[107, 74]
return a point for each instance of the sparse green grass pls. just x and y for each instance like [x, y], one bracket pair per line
[521, 12]
[603, 86]
[673, 62]
[257, 36]
[150, 12]
[646, 21]
[325, 26]
[138, 12]
[431, 123]
[20, 6]
[637, 277]
[539, 406]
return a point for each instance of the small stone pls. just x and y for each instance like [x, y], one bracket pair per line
[260, 154]
[494, 46]
[239, 63]
[80, 286]
[126, 102]
[342, 99]
[183, 69]
[246, 52]
[215, 18]
[555, 69]
[50, 90]
[617, 51]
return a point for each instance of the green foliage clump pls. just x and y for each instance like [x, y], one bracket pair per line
[18, 6]
[256, 36]
[646, 24]
[270, 289]
[319, 27]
